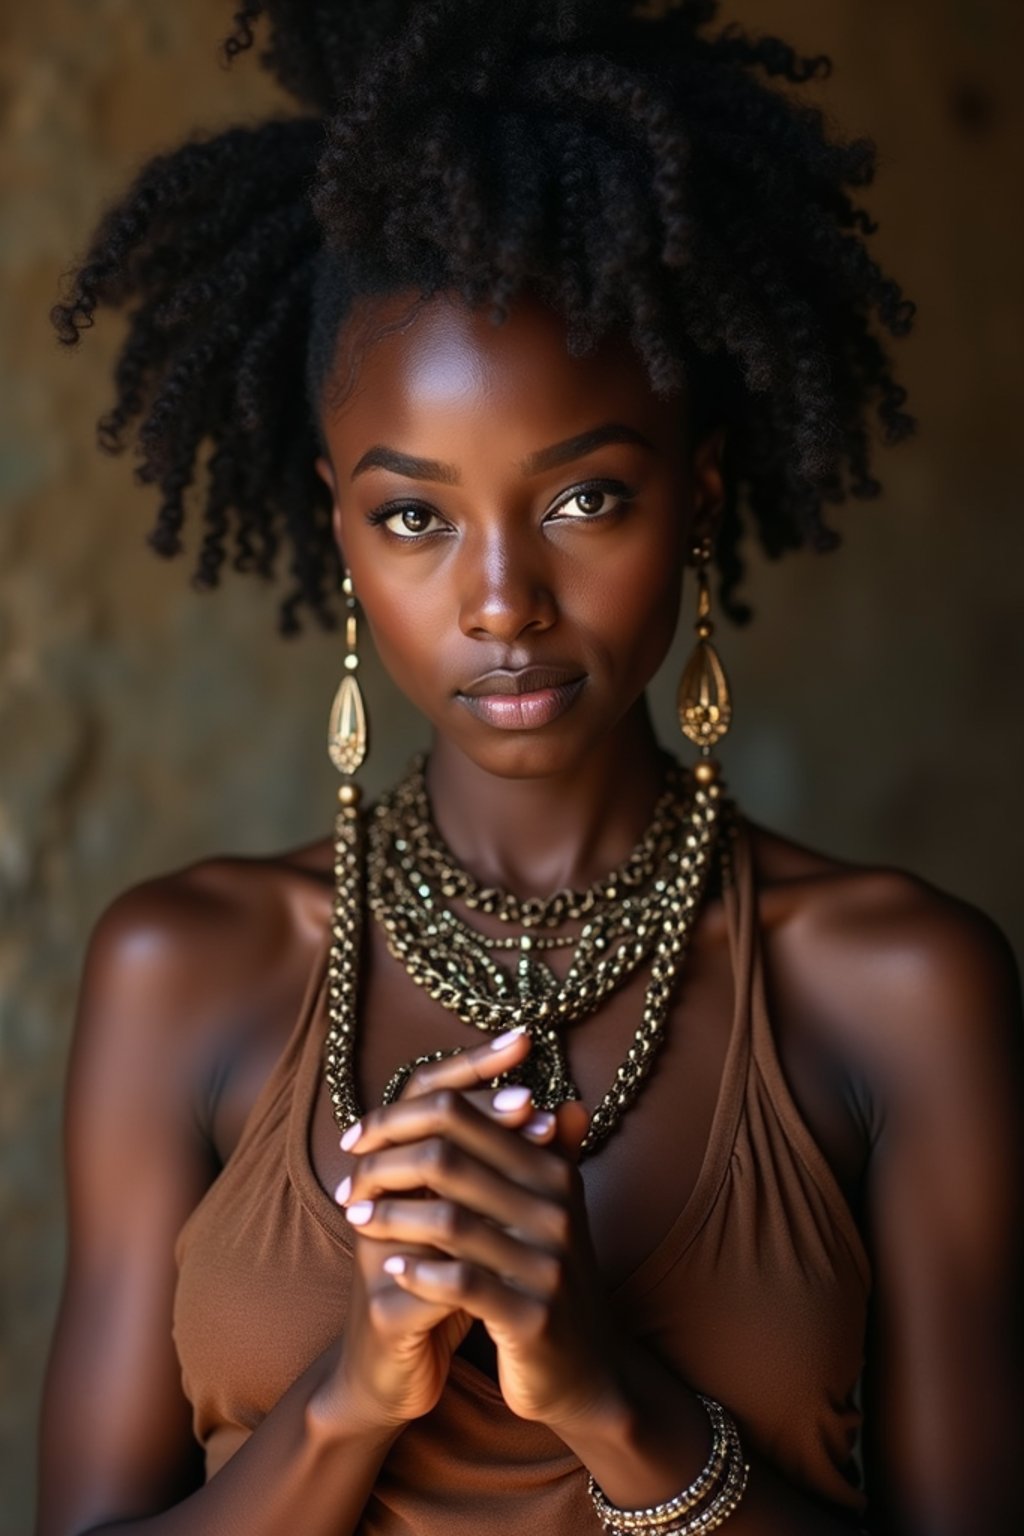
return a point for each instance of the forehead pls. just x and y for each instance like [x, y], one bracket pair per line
[407, 369]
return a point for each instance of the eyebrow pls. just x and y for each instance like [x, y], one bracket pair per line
[382, 457]
[584, 442]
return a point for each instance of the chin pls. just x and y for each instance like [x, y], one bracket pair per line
[528, 754]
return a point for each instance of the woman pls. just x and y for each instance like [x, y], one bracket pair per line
[507, 333]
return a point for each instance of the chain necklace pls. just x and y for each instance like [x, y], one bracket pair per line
[643, 911]
[439, 866]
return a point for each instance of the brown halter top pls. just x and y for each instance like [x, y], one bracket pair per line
[757, 1294]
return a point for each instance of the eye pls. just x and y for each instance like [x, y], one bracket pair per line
[410, 521]
[587, 503]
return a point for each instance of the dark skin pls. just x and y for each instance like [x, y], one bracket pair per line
[896, 1012]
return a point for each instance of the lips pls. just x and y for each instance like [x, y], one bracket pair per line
[523, 699]
[524, 680]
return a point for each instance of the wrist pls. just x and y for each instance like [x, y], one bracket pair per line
[337, 1414]
[643, 1436]
[608, 1418]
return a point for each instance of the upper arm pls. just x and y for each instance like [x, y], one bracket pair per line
[116, 1437]
[945, 1370]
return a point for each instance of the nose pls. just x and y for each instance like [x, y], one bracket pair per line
[505, 591]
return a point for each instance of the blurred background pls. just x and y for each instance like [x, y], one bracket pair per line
[878, 698]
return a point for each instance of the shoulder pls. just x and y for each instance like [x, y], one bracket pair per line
[897, 972]
[204, 902]
[185, 953]
[909, 999]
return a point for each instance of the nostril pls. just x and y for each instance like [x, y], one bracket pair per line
[504, 613]
[505, 627]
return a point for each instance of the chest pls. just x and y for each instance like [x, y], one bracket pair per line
[648, 1186]
[640, 1182]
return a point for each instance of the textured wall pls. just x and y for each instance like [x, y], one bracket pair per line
[142, 725]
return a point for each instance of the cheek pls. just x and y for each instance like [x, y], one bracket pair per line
[629, 604]
[410, 623]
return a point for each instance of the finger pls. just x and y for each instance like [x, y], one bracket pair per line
[444, 1169]
[432, 1229]
[470, 1288]
[395, 1312]
[470, 1068]
[538, 1125]
[448, 1116]
[540, 1128]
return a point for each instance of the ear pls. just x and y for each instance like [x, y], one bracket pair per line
[325, 469]
[708, 488]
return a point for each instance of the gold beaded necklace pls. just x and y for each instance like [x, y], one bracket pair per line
[644, 911]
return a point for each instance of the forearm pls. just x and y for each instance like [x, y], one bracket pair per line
[651, 1438]
[314, 1453]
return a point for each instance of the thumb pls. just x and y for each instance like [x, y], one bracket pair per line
[572, 1120]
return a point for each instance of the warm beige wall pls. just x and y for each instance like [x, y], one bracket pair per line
[878, 708]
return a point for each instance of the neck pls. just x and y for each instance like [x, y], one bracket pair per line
[535, 836]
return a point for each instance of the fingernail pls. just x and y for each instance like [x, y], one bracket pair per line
[351, 1136]
[395, 1265]
[539, 1124]
[511, 1098]
[343, 1191]
[360, 1213]
[500, 1041]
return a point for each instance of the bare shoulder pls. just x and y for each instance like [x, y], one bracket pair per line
[891, 967]
[195, 951]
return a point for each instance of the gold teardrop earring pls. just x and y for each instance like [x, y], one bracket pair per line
[347, 734]
[703, 700]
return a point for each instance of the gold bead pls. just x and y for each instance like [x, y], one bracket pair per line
[349, 794]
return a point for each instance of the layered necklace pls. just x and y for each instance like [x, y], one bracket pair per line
[395, 864]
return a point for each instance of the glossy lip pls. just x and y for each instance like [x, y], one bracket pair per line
[520, 680]
[522, 708]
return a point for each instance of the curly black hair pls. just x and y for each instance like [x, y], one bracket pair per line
[637, 171]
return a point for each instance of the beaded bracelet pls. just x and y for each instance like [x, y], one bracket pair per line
[725, 1491]
[721, 1507]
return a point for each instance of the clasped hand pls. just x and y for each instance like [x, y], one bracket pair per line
[468, 1204]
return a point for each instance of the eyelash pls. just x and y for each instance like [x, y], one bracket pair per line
[381, 516]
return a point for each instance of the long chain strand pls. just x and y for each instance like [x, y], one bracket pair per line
[343, 964]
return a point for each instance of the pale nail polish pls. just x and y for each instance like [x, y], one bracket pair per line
[343, 1191]
[511, 1098]
[360, 1213]
[500, 1041]
[539, 1124]
[351, 1136]
[395, 1265]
